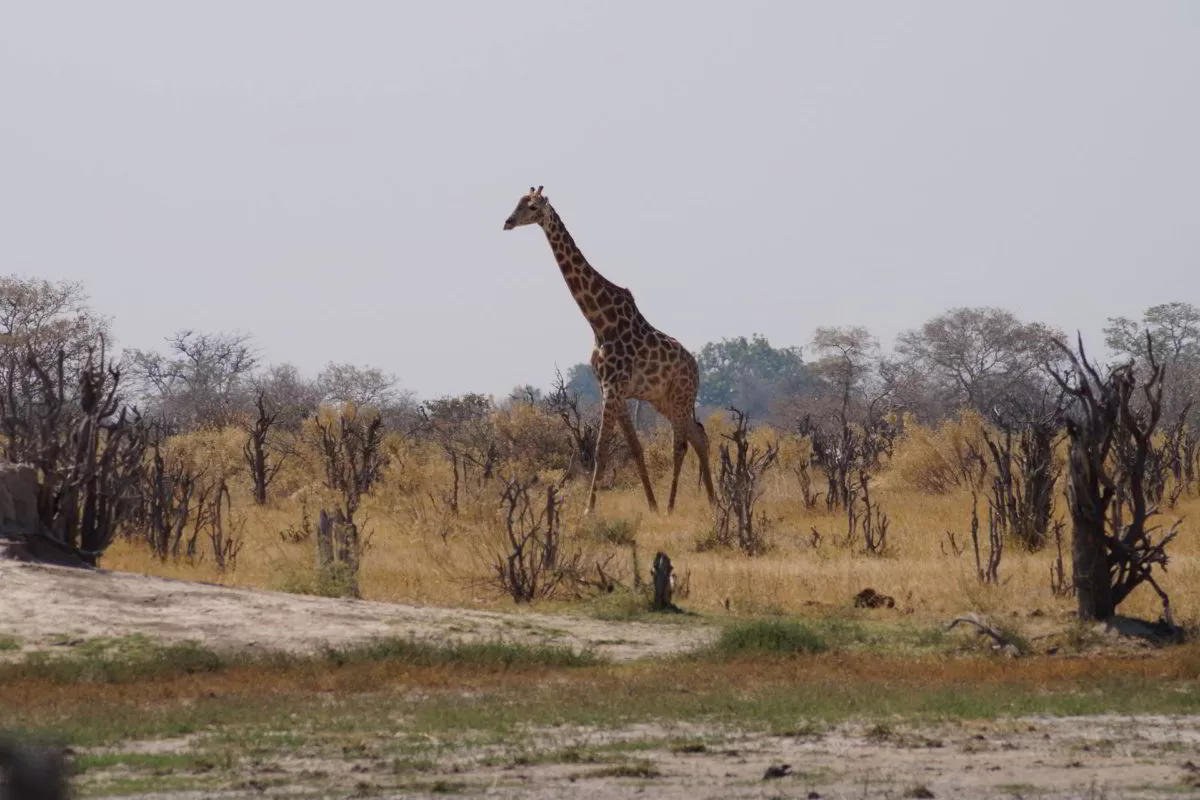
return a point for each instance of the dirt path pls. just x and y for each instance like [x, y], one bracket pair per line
[44, 606]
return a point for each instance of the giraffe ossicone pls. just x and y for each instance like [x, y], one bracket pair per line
[632, 360]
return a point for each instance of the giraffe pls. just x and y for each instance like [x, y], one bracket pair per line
[631, 358]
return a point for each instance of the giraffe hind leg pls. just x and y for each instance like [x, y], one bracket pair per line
[635, 450]
[698, 438]
[681, 446]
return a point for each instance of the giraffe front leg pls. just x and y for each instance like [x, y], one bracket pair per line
[621, 412]
[681, 446]
[603, 437]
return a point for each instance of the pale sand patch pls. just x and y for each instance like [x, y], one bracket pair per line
[41, 605]
[1107, 756]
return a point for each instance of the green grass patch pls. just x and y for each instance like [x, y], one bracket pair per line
[616, 532]
[487, 655]
[627, 605]
[157, 784]
[98, 665]
[769, 637]
[135, 659]
[336, 580]
[8, 643]
[789, 703]
[160, 763]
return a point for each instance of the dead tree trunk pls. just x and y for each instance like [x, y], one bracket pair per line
[1088, 498]
[339, 551]
[1109, 458]
[324, 538]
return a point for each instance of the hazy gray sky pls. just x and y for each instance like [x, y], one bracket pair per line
[333, 177]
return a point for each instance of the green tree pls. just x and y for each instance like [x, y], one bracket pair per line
[750, 373]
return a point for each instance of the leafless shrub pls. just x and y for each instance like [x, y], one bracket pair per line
[987, 568]
[951, 546]
[532, 562]
[353, 459]
[224, 532]
[262, 463]
[1025, 468]
[987, 552]
[1110, 455]
[801, 469]
[1178, 456]
[739, 488]
[580, 425]
[851, 430]
[86, 446]
[350, 443]
[1060, 584]
[866, 517]
[166, 500]
[298, 533]
[463, 428]
[183, 505]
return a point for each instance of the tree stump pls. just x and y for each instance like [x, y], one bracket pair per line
[664, 583]
[338, 550]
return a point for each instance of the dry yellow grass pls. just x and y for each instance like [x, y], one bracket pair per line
[421, 553]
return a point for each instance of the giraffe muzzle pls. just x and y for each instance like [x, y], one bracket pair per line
[509, 224]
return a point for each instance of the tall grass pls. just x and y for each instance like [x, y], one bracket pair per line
[421, 552]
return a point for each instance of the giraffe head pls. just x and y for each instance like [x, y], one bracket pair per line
[530, 209]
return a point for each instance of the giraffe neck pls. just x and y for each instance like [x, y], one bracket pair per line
[604, 304]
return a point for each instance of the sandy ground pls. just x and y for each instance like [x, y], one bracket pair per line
[45, 607]
[1044, 757]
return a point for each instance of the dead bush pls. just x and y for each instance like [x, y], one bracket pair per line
[350, 443]
[736, 519]
[532, 563]
[86, 446]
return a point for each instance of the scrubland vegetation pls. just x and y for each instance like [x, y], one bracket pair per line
[934, 475]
